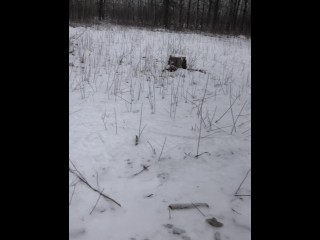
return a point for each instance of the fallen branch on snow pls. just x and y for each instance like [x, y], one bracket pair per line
[236, 193]
[143, 169]
[196, 70]
[187, 205]
[82, 179]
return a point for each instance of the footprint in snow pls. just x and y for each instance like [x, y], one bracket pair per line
[163, 177]
[169, 226]
[178, 231]
[77, 233]
[184, 237]
[217, 236]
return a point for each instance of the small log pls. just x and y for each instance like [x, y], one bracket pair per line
[187, 205]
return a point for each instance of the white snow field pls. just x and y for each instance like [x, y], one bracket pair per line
[117, 71]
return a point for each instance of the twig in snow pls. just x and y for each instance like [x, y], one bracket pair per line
[226, 111]
[200, 114]
[96, 202]
[97, 180]
[234, 124]
[187, 155]
[153, 149]
[242, 183]
[115, 116]
[140, 131]
[82, 179]
[198, 70]
[231, 108]
[101, 139]
[199, 140]
[140, 120]
[144, 168]
[199, 210]
[196, 156]
[202, 100]
[74, 182]
[123, 99]
[246, 130]
[74, 112]
[187, 205]
[162, 148]
[235, 211]
[74, 189]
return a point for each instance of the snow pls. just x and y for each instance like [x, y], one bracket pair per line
[113, 70]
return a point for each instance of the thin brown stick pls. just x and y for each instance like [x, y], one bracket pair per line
[226, 111]
[140, 120]
[74, 189]
[242, 183]
[199, 210]
[231, 107]
[115, 116]
[234, 124]
[82, 179]
[199, 140]
[162, 148]
[143, 169]
[153, 150]
[235, 211]
[96, 202]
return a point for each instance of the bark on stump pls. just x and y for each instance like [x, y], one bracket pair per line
[176, 62]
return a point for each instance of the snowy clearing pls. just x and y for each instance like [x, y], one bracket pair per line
[114, 73]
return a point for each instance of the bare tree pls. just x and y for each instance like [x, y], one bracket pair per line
[244, 15]
[202, 15]
[198, 13]
[166, 13]
[224, 16]
[209, 13]
[215, 14]
[188, 14]
[180, 13]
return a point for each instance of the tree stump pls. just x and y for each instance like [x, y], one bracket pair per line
[176, 62]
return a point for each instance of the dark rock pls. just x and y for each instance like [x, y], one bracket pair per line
[168, 226]
[178, 231]
[214, 222]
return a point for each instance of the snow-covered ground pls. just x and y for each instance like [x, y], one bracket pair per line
[114, 73]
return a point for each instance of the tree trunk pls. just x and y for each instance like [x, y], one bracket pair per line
[180, 13]
[202, 15]
[197, 18]
[166, 13]
[188, 14]
[154, 14]
[244, 14]
[215, 14]
[235, 14]
[209, 12]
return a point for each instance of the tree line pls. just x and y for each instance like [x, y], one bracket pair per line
[216, 16]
